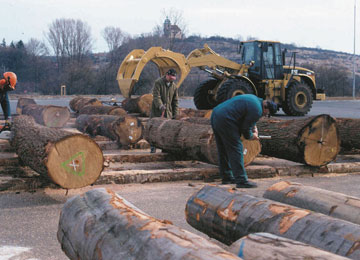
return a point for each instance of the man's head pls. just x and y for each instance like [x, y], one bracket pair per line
[269, 107]
[9, 79]
[171, 75]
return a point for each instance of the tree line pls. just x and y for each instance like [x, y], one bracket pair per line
[66, 58]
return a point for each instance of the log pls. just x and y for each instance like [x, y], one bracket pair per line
[69, 160]
[126, 130]
[22, 102]
[349, 133]
[327, 202]
[77, 103]
[189, 112]
[50, 116]
[102, 225]
[196, 141]
[314, 141]
[103, 110]
[227, 216]
[141, 104]
[265, 246]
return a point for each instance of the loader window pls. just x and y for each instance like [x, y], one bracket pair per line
[251, 52]
[268, 58]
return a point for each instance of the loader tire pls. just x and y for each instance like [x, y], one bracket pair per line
[298, 100]
[232, 88]
[202, 98]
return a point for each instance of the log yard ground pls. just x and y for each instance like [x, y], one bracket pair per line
[155, 183]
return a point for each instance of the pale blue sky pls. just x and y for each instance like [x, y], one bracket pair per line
[328, 24]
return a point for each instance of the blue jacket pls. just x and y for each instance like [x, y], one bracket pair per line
[238, 113]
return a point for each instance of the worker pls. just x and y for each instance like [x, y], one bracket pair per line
[7, 83]
[165, 98]
[231, 119]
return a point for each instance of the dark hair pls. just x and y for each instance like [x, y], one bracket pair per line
[171, 72]
[272, 106]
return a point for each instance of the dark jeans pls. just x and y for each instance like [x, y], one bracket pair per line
[230, 151]
[5, 104]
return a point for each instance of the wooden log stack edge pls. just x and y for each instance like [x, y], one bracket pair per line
[22, 102]
[77, 103]
[141, 104]
[102, 225]
[103, 110]
[50, 116]
[227, 216]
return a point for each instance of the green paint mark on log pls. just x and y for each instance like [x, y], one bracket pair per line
[75, 165]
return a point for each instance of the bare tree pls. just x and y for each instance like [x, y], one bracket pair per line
[36, 48]
[114, 37]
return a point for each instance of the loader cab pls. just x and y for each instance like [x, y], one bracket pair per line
[265, 57]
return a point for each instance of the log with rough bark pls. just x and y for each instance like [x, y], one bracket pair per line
[327, 202]
[141, 104]
[189, 112]
[50, 116]
[77, 103]
[196, 141]
[103, 110]
[22, 102]
[349, 131]
[126, 130]
[69, 160]
[265, 246]
[102, 225]
[227, 215]
[314, 141]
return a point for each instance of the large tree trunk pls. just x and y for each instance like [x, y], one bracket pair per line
[141, 104]
[265, 246]
[77, 103]
[22, 102]
[69, 160]
[349, 130]
[189, 112]
[330, 203]
[102, 225]
[314, 141]
[126, 130]
[50, 116]
[227, 216]
[103, 110]
[196, 141]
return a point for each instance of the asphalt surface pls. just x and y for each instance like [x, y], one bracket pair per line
[29, 221]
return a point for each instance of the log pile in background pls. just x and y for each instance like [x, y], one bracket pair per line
[77, 103]
[126, 130]
[69, 160]
[265, 246]
[22, 102]
[314, 141]
[102, 225]
[227, 216]
[349, 131]
[189, 112]
[103, 110]
[196, 141]
[50, 116]
[330, 203]
[141, 104]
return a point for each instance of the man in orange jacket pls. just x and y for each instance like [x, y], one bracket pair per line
[7, 83]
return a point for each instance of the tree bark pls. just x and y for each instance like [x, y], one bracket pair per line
[69, 160]
[141, 104]
[349, 131]
[50, 116]
[102, 225]
[314, 141]
[103, 110]
[126, 130]
[189, 112]
[227, 216]
[265, 246]
[196, 141]
[77, 103]
[22, 102]
[330, 203]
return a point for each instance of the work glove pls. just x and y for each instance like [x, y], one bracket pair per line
[162, 108]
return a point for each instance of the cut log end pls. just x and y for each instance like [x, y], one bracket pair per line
[320, 140]
[252, 149]
[75, 161]
[129, 130]
[55, 116]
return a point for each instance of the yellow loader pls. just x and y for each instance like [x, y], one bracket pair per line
[262, 72]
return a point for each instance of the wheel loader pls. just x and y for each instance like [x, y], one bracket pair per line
[262, 72]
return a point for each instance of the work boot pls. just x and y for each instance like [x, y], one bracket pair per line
[7, 126]
[246, 184]
[152, 149]
[228, 181]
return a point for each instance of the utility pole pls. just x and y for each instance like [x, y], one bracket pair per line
[354, 50]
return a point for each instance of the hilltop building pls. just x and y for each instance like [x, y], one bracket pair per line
[172, 30]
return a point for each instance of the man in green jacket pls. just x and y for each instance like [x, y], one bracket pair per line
[165, 98]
